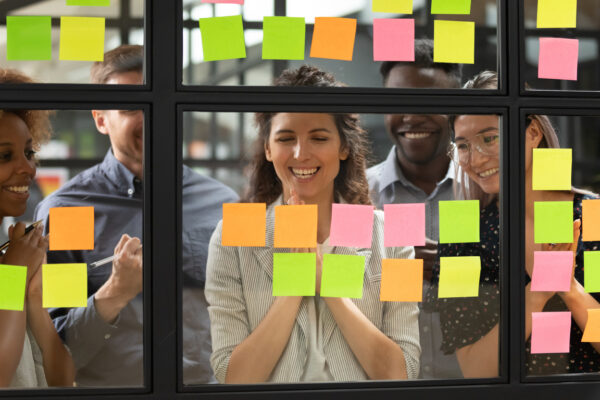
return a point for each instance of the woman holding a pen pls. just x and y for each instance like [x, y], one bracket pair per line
[28, 334]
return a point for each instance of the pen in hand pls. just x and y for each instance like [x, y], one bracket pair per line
[31, 227]
[103, 261]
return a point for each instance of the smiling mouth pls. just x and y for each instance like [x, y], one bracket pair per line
[416, 135]
[304, 173]
[17, 189]
[488, 173]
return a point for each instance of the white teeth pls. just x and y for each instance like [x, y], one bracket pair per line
[417, 135]
[18, 189]
[489, 172]
[304, 172]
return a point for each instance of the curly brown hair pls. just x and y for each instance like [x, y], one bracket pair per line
[350, 183]
[37, 121]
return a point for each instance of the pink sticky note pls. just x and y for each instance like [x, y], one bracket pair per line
[552, 271]
[550, 332]
[558, 58]
[393, 39]
[404, 224]
[224, 1]
[351, 225]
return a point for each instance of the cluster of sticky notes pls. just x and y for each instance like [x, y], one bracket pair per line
[552, 169]
[558, 57]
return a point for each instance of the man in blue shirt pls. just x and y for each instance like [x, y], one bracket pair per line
[106, 337]
[418, 170]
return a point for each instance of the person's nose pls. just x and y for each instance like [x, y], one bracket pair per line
[477, 158]
[301, 150]
[26, 166]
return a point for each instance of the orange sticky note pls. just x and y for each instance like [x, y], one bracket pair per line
[71, 228]
[244, 224]
[333, 38]
[592, 326]
[401, 280]
[296, 226]
[590, 223]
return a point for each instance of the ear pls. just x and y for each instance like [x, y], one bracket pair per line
[100, 120]
[344, 153]
[268, 152]
[534, 134]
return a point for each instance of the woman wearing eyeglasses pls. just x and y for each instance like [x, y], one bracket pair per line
[470, 325]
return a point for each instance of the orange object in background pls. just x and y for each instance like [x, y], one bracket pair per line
[71, 228]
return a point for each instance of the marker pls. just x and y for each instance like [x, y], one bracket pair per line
[27, 230]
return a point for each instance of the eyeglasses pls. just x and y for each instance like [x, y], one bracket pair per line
[486, 143]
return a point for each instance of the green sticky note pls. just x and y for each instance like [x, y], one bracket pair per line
[459, 221]
[553, 221]
[342, 276]
[591, 271]
[552, 169]
[64, 285]
[82, 38]
[454, 42]
[12, 287]
[222, 38]
[459, 277]
[294, 274]
[557, 14]
[283, 38]
[97, 3]
[451, 6]
[28, 38]
[393, 6]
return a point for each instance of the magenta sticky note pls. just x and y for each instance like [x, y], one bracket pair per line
[393, 39]
[404, 224]
[351, 225]
[558, 58]
[552, 271]
[224, 1]
[550, 332]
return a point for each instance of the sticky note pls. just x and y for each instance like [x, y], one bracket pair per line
[459, 221]
[224, 1]
[552, 271]
[97, 3]
[283, 38]
[71, 228]
[393, 39]
[404, 224]
[296, 226]
[28, 38]
[592, 326]
[558, 58]
[590, 220]
[550, 332]
[333, 38]
[401, 280]
[351, 225]
[82, 38]
[552, 169]
[553, 221]
[223, 38]
[244, 224]
[393, 6]
[591, 271]
[64, 285]
[557, 14]
[12, 287]
[454, 42]
[342, 276]
[294, 274]
[459, 276]
[451, 6]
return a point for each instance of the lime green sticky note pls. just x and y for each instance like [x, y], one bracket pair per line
[459, 221]
[557, 14]
[222, 38]
[454, 42]
[552, 169]
[64, 285]
[393, 6]
[28, 38]
[294, 274]
[97, 3]
[82, 38]
[459, 277]
[12, 287]
[283, 38]
[451, 6]
[591, 271]
[553, 221]
[342, 276]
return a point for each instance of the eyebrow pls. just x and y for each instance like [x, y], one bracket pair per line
[484, 130]
[311, 131]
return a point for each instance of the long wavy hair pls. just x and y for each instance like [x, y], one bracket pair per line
[350, 183]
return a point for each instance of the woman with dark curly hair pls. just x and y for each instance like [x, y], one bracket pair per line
[32, 353]
[307, 158]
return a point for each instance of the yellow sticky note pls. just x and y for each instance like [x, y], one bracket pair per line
[244, 224]
[459, 277]
[454, 42]
[401, 280]
[552, 169]
[557, 14]
[393, 6]
[296, 226]
[82, 38]
[592, 327]
[64, 285]
[71, 228]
